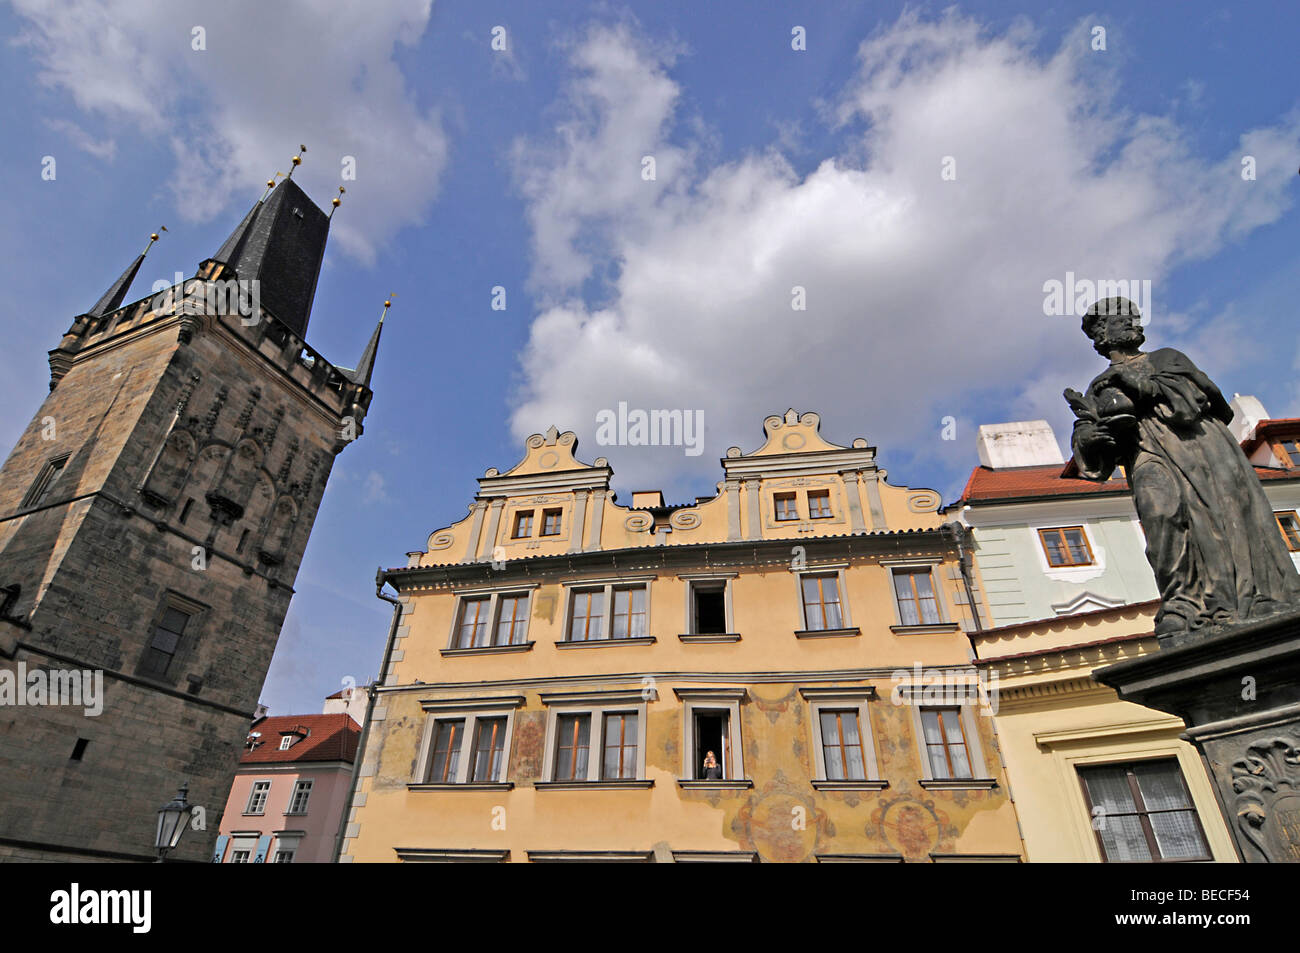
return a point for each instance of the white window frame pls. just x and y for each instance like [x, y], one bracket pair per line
[607, 586]
[286, 742]
[286, 844]
[596, 705]
[245, 844]
[263, 786]
[940, 602]
[711, 581]
[471, 710]
[980, 775]
[713, 699]
[838, 699]
[494, 596]
[832, 569]
[298, 787]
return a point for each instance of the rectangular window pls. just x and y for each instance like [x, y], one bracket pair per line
[620, 746]
[1066, 546]
[238, 857]
[821, 602]
[842, 745]
[819, 504]
[1290, 527]
[46, 480]
[283, 856]
[588, 618]
[712, 737]
[786, 507]
[1291, 451]
[446, 751]
[473, 628]
[286, 742]
[1142, 812]
[257, 797]
[489, 744]
[917, 603]
[708, 608]
[166, 639]
[573, 737]
[551, 522]
[512, 619]
[301, 795]
[629, 613]
[945, 743]
[523, 524]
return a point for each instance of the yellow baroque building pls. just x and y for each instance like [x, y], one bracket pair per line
[747, 678]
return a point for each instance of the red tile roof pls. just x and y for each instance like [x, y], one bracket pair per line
[328, 738]
[988, 485]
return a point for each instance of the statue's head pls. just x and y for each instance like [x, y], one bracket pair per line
[1114, 323]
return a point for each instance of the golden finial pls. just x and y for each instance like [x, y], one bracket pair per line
[270, 184]
[153, 237]
[337, 200]
[297, 161]
[388, 303]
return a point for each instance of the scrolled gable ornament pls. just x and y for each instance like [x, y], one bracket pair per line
[1212, 541]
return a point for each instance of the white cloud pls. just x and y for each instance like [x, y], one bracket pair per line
[272, 76]
[105, 149]
[373, 491]
[924, 296]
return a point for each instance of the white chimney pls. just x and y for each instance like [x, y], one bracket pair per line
[1025, 443]
[1247, 412]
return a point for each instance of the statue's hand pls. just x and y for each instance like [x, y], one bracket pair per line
[1094, 438]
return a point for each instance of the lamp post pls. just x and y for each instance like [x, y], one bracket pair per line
[173, 818]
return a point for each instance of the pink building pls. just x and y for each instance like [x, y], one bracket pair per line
[290, 790]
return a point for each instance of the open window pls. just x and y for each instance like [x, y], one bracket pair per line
[712, 727]
[709, 608]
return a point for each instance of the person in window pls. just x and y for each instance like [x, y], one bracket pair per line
[712, 770]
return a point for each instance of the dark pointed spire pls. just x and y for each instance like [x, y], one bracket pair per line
[116, 293]
[230, 248]
[366, 366]
[280, 243]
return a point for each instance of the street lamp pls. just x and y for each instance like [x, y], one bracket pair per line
[173, 818]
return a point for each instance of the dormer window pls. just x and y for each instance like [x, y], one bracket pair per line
[286, 742]
[1289, 451]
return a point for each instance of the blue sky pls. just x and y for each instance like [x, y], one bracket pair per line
[774, 168]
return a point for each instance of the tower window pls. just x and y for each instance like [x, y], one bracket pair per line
[166, 640]
[185, 511]
[45, 483]
[79, 749]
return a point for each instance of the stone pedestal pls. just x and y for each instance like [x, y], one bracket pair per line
[1238, 692]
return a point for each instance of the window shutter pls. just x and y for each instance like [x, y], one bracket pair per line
[220, 850]
[263, 843]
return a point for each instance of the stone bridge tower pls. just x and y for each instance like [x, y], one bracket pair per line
[153, 516]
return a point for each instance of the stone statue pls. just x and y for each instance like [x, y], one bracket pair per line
[1212, 540]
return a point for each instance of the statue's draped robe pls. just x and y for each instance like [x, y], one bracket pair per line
[1212, 539]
